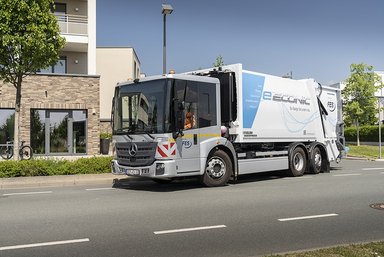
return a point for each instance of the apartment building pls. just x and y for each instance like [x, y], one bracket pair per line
[60, 106]
[114, 65]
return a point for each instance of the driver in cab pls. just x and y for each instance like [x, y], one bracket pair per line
[190, 121]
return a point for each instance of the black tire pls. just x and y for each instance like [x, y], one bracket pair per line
[297, 162]
[6, 152]
[315, 161]
[218, 169]
[26, 152]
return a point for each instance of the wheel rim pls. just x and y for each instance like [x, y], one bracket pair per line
[298, 161]
[318, 159]
[216, 168]
[25, 153]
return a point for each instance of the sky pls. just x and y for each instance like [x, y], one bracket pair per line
[317, 39]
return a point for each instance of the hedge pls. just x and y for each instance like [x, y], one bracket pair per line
[40, 167]
[367, 133]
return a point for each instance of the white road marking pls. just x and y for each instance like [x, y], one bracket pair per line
[29, 193]
[14, 247]
[310, 217]
[99, 189]
[302, 177]
[373, 168]
[346, 175]
[187, 229]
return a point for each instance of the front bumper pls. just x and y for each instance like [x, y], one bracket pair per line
[159, 169]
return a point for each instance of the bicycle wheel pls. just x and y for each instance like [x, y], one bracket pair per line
[6, 152]
[26, 152]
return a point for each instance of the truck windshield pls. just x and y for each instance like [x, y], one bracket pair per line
[142, 107]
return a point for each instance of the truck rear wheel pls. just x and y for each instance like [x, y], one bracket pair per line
[218, 169]
[316, 160]
[297, 162]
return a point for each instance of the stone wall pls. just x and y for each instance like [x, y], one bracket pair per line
[57, 92]
[105, 127]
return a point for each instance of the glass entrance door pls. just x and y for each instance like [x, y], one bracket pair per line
[79, 128]
[58, 127]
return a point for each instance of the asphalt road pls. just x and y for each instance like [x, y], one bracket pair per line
[260, 214]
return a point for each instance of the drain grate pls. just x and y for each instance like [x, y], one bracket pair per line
[377, 206]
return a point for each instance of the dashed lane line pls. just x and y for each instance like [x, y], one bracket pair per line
[29, 193]
[310, 217]
[100, 189]
[14, 247]
[188, 229]
[346, 175]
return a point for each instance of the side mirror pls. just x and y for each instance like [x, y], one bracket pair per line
[178, 133]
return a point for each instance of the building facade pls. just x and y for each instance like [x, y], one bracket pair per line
[114, 65]
[60, 110]
[58, 114]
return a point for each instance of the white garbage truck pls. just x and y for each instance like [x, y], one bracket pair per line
[223, 122]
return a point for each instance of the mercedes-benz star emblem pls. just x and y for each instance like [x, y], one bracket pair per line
[132, 149]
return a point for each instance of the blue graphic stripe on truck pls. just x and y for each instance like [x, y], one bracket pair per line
[253, 86]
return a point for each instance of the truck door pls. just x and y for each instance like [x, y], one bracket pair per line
[188, 147]
[200, 123]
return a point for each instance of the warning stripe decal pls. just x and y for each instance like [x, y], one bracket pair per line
[161, 152]
[167, 149]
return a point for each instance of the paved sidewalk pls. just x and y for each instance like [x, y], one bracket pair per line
[58, 181]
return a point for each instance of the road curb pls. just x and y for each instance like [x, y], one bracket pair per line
[358, 158]
[57, 181]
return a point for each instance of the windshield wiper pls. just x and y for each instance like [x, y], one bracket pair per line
[129, 130]
[153, 138]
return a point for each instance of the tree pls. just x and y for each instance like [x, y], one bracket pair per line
[29, 41]
[219, 61]
[359, 96]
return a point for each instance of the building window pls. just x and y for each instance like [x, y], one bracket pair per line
[59, 131]
[199, 103]
[7, 125]
[60, 11]
[60, 67]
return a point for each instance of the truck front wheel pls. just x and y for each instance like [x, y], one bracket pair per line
[218, 169]
[297, 162]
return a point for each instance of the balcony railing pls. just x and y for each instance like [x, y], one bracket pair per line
[73, 24]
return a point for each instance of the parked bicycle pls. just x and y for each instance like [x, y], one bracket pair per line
[25, 151]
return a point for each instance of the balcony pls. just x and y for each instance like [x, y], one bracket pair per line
[70, 24]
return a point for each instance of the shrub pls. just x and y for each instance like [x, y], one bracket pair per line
[105, 136]
[367, 133]
[37, 167]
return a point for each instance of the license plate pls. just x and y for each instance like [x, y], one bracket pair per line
[132, 171]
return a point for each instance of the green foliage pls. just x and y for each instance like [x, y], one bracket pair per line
[368, 133]
[29, 38]
[105, 136]
[219, 61]
[39, 167]
[29, 41]
[360, 103]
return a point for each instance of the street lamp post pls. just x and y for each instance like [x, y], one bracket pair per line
[380, 98]
[166, 9]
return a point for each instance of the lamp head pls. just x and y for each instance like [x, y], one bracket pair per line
[166, 9]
